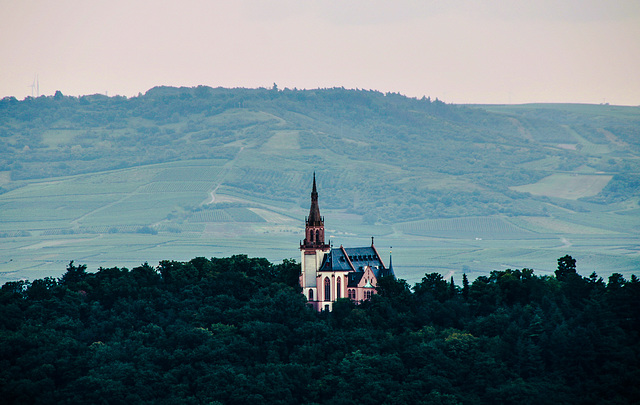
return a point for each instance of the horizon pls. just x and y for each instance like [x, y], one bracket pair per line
[142, 94]
[501, 52]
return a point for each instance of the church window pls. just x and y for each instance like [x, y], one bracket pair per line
[327, 289]
[310, 295]
[367, 294]
[311, 236]
[352, 294]
[338, 293]
[317, 236]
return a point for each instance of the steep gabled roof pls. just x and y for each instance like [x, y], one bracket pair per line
[354, 278]
[353, 259]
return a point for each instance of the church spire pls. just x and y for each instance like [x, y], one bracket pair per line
[389, 271]
[314, 191]
[314, 227]
[314, 218]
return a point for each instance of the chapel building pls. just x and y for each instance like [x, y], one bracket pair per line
[329, 273]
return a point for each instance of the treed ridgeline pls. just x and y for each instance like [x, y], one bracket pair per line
[236, 330]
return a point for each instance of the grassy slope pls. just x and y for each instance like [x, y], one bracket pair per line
[446, 186]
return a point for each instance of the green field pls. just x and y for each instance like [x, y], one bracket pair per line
[568, 186]
[149, 217]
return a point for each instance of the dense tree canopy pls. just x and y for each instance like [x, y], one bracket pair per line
[236, 330]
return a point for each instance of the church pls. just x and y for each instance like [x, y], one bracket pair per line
[329, 273]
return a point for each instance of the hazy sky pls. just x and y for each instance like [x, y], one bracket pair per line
[461, 51]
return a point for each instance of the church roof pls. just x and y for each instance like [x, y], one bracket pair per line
[353, 278]
[354, 259]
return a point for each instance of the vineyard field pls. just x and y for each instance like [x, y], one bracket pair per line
[473, 227]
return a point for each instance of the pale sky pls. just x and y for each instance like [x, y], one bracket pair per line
[461, 51]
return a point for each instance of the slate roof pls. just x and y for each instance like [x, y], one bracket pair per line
[354, 278]
[355, 260]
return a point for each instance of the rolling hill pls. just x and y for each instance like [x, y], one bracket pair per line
[183, 172]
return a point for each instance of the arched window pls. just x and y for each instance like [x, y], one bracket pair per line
[310, 295]
[352, 294]
[317, 236]
[311, 236]
[338, 293]
[327, 289]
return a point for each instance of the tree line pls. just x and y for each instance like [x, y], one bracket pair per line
[237, 330]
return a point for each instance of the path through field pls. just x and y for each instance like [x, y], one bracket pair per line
[226, 168]
[75, 224]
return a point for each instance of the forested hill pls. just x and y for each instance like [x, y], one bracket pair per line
[237, 330]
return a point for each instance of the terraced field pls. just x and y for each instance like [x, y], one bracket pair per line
[150, 213]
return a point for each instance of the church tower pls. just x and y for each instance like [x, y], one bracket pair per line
[313, 248]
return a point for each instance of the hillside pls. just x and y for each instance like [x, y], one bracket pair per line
[202, 171]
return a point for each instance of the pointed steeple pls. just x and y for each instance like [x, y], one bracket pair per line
[389, 271]
[314, 218]
[314, 190]
[314, 227]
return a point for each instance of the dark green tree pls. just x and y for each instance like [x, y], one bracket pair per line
[288, 272]
[74, 274]
[433, 284]
[566, 266]
[465, 287]
[453, 290]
